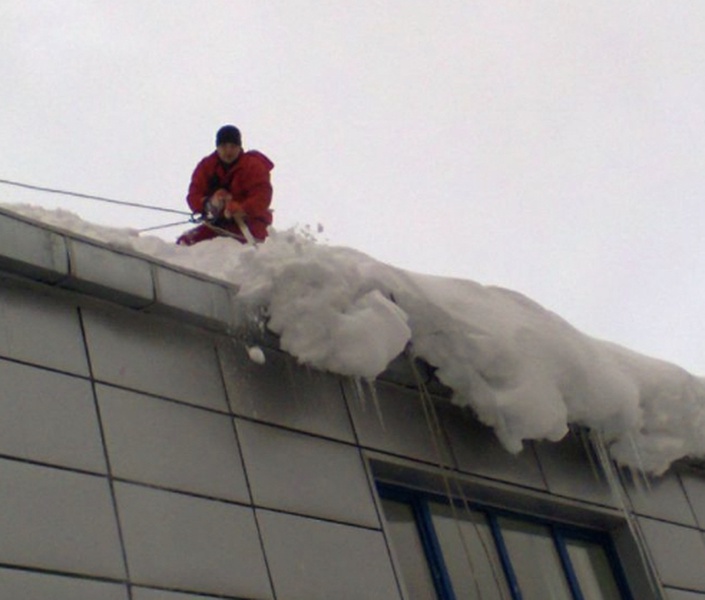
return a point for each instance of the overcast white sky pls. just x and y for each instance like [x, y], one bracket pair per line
[553, 147]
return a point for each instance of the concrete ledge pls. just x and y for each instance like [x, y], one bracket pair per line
[109, 274]
[31, 250]
[48, 254]
[180, 293]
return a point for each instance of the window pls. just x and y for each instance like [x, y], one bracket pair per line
[453, 551]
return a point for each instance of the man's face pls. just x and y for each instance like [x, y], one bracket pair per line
[228, 152]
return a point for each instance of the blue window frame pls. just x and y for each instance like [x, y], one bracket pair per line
[455, 549]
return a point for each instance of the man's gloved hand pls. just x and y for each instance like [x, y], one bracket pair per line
[214, 206]
[233, 208]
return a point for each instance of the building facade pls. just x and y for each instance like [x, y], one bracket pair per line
[145, 456]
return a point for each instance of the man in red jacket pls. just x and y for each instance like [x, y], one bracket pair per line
[230, 186]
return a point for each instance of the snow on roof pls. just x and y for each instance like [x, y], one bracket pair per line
[522, 369]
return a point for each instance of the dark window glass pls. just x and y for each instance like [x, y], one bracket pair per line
[469, 553]
[409, 550]
[593, 570]
[449, 551]
[535, 560]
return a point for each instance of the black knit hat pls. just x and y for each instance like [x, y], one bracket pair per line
[228, 134]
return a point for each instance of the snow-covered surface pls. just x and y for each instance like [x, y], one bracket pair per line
[524, 371]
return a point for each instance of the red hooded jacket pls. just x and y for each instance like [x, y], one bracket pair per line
[247, 179]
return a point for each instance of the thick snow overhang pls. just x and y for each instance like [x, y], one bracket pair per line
[523, 370]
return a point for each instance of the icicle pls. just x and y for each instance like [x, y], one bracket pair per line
[375, 402]
[362, 397]
[432, 420]
[359, 392]
[620, 496]
[643, 477]
[640, 481]
[436, 430]
[584, 437]
[636, 479]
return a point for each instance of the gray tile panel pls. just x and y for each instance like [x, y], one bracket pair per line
[673, 594]
[141, 593]
[660, 497]
[191, 544]
[179, 292]
[317, 560]
[678, 552]
[570, 470]
[154, 356]
[31, 251]
[393, 419]
[283, 393]
[171, 445]
[58, 520]
[49, 417]
[477, 450]
[694, 485]
[308, 475]
[41, 329]
[109, 274]
[27, 585]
